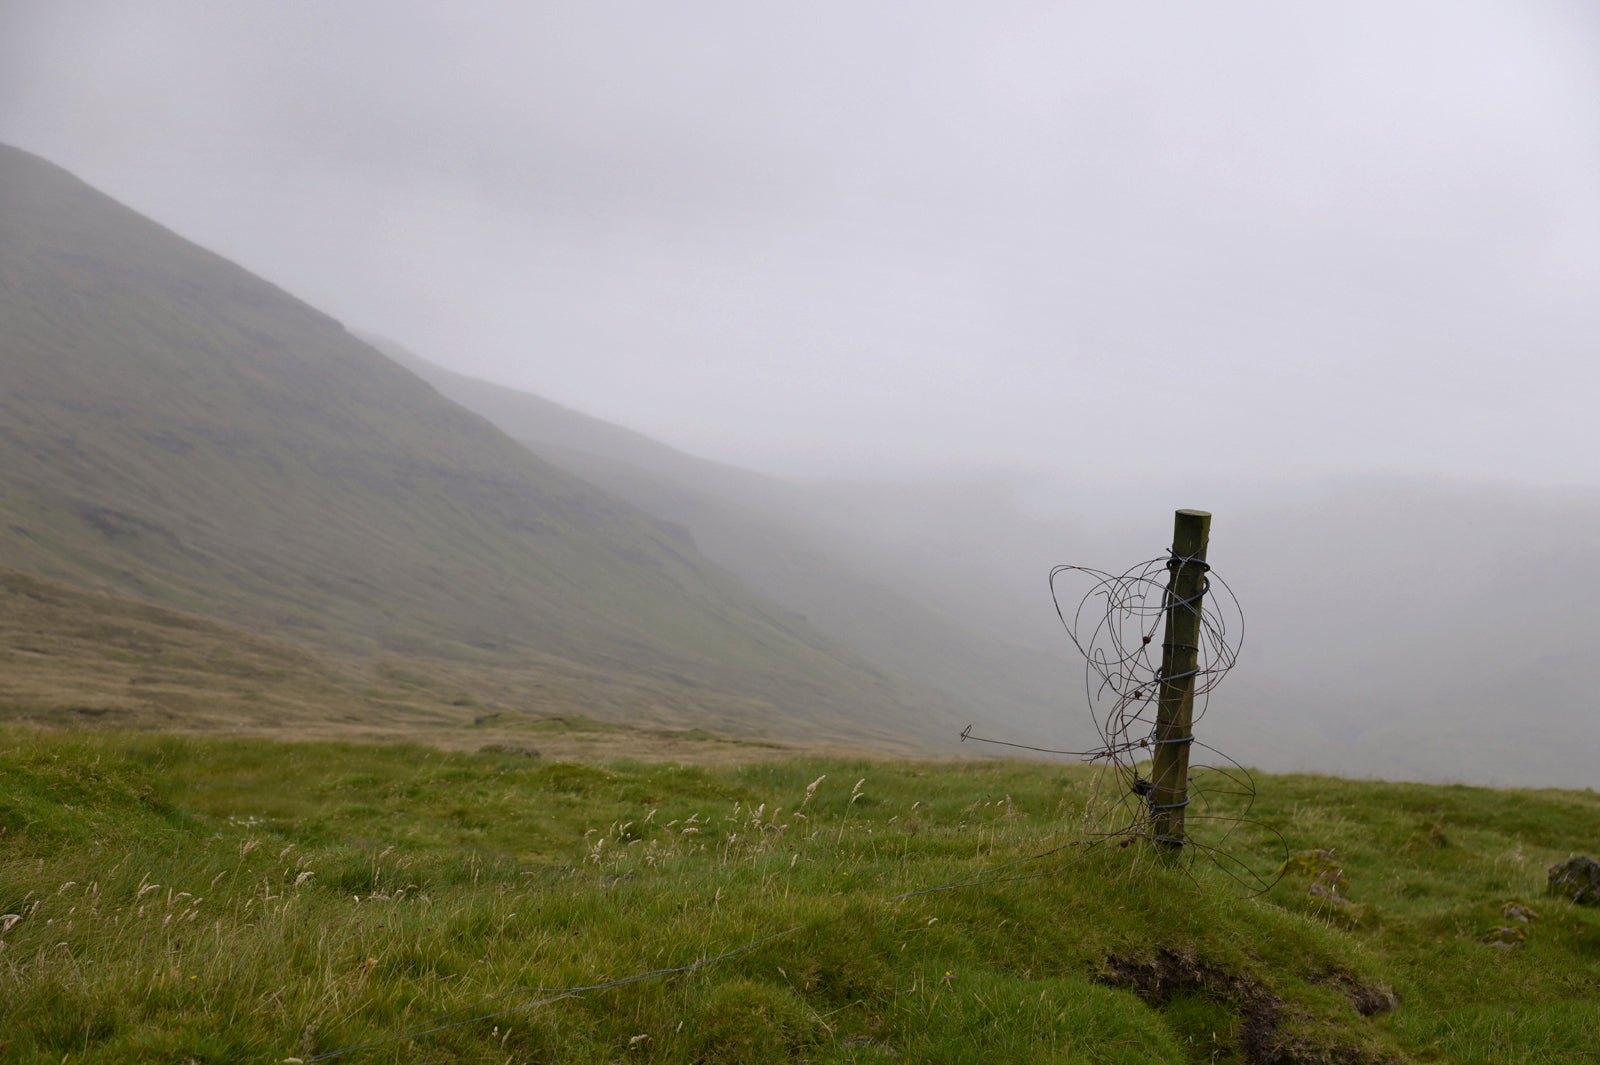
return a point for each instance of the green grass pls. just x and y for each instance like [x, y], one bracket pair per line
[215, 900]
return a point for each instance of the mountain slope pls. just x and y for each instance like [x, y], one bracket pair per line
[175, 428]
[1435, 637]
[811, 547]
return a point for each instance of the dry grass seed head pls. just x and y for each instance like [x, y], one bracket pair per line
[811, 788]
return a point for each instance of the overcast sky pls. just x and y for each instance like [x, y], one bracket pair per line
[1129, 243]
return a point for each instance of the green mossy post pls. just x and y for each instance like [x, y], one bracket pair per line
[1180, 657]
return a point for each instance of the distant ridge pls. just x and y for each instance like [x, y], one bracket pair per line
[793, 541]
[175, 429]
[1445, 639]
[547, 425]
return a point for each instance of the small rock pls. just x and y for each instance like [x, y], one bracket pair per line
[1504, 937]
[1577, 879]
[1516, 911]
[1318, 891]
[1368, 999]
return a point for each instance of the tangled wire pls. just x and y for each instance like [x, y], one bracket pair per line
[1116, 625]
[1122, 657]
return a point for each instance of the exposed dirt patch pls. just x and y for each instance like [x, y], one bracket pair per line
[1261, 1038]
[1157, 979]
[1368, 999]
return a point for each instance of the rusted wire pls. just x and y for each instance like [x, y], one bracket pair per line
[1116, 623]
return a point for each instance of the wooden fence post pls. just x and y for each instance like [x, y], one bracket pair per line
[1180, 659]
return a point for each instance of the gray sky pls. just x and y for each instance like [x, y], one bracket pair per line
[1130, 243]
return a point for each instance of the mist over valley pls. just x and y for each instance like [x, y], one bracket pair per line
[670, 533]
[181, 433]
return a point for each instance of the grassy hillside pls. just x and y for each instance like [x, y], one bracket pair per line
[211, 900]
[72, 658]
[824, 551]
[177, 430]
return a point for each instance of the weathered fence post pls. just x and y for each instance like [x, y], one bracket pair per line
[1180, 661]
